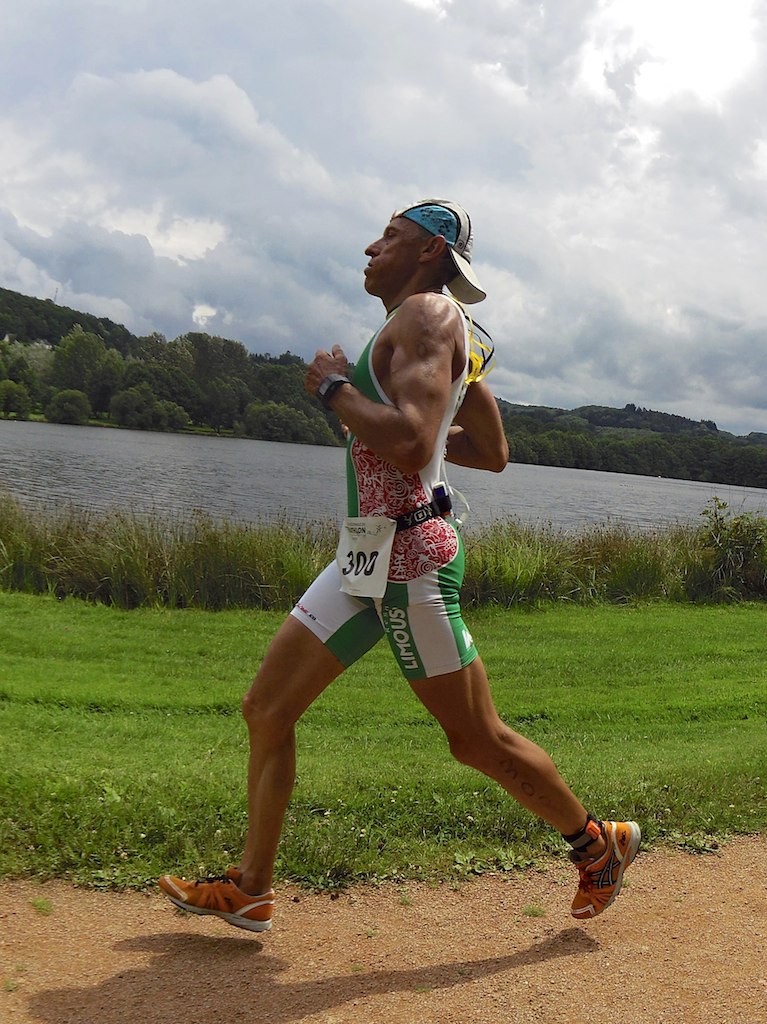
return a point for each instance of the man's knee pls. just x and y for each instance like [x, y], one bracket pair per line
[466, 748]
[290, 679]
[265, 709]
[481, 748]
[263, 715]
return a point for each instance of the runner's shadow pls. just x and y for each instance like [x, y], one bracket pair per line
[209, 980]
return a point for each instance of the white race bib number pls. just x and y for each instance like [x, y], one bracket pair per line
[363, 554]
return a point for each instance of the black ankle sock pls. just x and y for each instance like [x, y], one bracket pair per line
[580, 841]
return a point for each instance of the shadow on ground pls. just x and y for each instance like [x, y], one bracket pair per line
[210, 980]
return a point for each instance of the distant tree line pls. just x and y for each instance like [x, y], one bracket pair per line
[71, 367]
[98, 372]
[634, 440]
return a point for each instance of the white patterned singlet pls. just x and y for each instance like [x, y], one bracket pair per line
[376, 487]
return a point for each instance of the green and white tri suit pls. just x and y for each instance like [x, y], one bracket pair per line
[420, 611]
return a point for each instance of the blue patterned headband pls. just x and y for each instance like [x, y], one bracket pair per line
[451, 221]
[437, 220]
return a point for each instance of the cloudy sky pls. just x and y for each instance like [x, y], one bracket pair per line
[222, 166]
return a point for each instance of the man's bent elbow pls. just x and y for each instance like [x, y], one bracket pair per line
[498, 459]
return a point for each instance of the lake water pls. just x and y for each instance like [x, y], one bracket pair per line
[48, 466]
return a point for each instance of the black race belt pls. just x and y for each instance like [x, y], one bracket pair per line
[419, 515]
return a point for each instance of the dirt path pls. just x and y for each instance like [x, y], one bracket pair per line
[685, 943]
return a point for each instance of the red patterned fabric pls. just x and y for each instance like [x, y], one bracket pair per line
[384, 491]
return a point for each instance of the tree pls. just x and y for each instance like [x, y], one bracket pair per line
[168, 383]
[106, 380]
[175, 416]
[216, 357]
[225, 401]
[14, 400]
[82, 362]
[138, 409]
[75, 359]
[274, 421]
[38, 357]
[69, 406]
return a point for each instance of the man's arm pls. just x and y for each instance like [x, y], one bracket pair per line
[477, 438]
[416, 361]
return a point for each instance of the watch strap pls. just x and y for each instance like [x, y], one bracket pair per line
[329, 385]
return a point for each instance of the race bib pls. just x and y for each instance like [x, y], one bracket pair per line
[363, 554]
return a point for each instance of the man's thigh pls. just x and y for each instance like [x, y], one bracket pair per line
[295, 670]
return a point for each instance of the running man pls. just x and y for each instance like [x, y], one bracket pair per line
[411, 404]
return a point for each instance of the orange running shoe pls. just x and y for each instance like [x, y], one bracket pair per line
[220, 896]
[602, 877]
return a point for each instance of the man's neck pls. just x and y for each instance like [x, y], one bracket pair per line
[391, 305]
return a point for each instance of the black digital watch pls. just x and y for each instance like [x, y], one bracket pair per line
[329, 385]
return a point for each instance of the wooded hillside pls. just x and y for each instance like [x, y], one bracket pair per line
[73, 367]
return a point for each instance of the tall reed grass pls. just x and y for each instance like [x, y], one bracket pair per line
[130, 561]
[510, 563]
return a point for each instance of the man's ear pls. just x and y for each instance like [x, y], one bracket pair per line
[433, 249]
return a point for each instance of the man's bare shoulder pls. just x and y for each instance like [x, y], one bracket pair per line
[429, 312]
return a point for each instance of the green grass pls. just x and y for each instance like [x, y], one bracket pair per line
[122, 753]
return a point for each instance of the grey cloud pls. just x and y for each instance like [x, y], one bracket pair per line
[621, 244]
